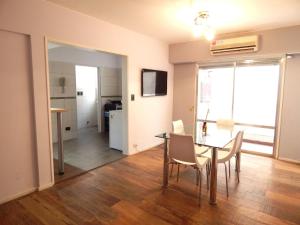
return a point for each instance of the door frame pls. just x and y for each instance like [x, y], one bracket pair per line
[99, 101]
[125, 102]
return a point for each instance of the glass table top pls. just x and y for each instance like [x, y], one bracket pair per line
[217, 139]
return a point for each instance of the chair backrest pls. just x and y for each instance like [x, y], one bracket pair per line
[237, 143]
[182, 148]
[226, 124]
[178, 127]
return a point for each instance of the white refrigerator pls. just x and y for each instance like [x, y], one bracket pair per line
[115, 129]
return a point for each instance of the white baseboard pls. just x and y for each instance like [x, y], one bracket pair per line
[43, 187]
[18, 195]
[135, 151]
[289, 160]
[29, 191]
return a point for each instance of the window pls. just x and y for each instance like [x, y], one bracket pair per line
[246, 93]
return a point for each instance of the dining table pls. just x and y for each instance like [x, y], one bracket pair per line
[214, 140]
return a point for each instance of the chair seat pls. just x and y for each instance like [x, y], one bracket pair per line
[221, 154]
[183, 162]
[199, 150]
[202, 161]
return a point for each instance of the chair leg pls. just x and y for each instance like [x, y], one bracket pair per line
[208, 165]
[178, 166]
[229, 167]
[197, 176]
[238, 175]
[236, 166]
[226, 179]
[172, 165]
[200, 186]
[207, 177]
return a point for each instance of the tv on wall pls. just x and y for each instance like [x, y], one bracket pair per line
[154, 82]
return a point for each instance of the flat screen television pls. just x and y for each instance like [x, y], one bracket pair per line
[154, 82]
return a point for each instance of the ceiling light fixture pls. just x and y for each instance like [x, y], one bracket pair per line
[202, 26]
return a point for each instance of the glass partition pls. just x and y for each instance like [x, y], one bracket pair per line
[215, 90]
[245, 93]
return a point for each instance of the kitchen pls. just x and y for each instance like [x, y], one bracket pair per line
[87, 84]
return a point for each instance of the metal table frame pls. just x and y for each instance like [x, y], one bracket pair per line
[214, 166]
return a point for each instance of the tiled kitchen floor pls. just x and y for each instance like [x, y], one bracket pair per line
[90, 150]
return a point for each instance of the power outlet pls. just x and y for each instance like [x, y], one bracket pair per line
[132, 97]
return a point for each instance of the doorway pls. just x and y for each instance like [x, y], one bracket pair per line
[86, 96]
[82, 82]
[245, 92]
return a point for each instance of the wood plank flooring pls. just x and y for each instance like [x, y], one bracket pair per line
[129, 191]
[70, 171]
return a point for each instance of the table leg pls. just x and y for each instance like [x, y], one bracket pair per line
[61, 169]
[213, 177]
[165, 169]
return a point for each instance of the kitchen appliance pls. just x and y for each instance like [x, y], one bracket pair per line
[110, 105]
[116, 129]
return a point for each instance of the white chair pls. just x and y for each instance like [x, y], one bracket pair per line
[182, 151]
[178, 128]
[225, 156]
[226, 125]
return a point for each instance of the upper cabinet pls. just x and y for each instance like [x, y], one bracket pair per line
[111, 82]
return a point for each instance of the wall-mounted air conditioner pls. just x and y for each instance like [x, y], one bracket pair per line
[234, 45]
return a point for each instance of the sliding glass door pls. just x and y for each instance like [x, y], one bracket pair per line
[245, 93]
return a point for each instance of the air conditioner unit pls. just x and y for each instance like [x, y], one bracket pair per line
[234, 45]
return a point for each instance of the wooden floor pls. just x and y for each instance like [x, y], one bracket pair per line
[129, 191]
[70, 171]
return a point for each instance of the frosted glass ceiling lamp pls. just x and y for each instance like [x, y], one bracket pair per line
[202, 27]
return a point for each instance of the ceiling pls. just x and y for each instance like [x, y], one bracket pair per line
[172, 20]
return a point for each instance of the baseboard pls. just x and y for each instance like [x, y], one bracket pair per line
[18, 195]
[289, 160]
[135, 151]
[43, 187]
[132, 152]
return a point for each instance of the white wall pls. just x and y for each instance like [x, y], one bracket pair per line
[277, 42]
[271, 43]
[58, 70]
[111, 81]
[40, 19]
[79, 56]
[185, 88]
[290, 123]
[17, 145]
